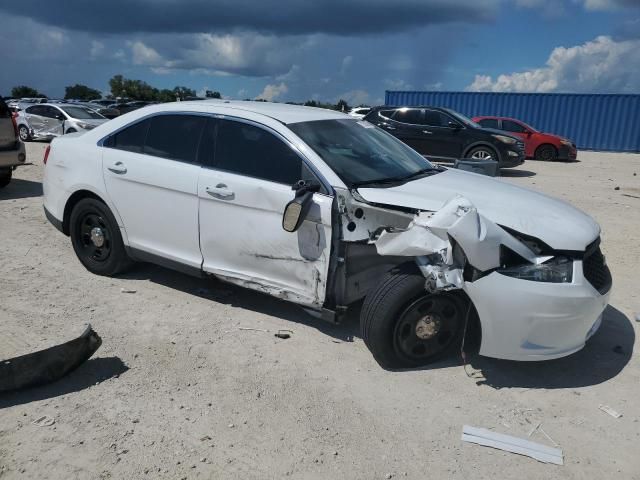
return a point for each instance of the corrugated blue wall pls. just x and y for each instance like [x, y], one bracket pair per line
[593, 122]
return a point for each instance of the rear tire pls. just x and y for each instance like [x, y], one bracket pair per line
[96, 238]
[548, 153]
[404, 326]
[5, 177]
[23, 133]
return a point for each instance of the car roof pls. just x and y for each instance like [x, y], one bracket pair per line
[281, 112]
[498, 118]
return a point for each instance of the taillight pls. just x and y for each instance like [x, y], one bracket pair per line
[46, 154]
[15, 125]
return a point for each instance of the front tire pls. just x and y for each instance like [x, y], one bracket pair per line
[23, 133]
[96, 238]
[482, 153]
[547, 153]
[404, 326]
[71, 130]
[5, 177]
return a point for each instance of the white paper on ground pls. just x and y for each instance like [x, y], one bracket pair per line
[482, 436]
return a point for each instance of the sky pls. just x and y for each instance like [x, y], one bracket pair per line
[295, 50]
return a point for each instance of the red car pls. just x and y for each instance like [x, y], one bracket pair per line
[538, 145]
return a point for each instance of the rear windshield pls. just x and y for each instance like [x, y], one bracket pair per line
[360, 152]
[81, 113]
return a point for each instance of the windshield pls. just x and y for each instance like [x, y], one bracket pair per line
[82, 113]
[359, 152]
[464, 119]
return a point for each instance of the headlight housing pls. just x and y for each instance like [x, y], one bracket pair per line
[505, 139]
[568, 143]
[86, 126]
[556, 270]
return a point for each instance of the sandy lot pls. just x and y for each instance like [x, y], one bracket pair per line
[179, 390]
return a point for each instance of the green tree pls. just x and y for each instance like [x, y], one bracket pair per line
[22, 91]
[81, 92]
[183, 92]
[165, 95]
[210, 94]
[342, 106]
[117, 86]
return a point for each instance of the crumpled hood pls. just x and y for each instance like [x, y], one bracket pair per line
[555, 222]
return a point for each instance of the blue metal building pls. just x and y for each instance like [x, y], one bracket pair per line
[609, 122]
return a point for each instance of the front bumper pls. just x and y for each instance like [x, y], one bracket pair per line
[525, 320]
[566, 152]
[510, 156]
[14, 157]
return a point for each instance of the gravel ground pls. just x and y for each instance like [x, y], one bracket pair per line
[180, 390]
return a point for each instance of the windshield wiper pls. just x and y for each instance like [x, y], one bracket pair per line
[398, 180]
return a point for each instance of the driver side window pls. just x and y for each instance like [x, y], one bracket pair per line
[255, 152]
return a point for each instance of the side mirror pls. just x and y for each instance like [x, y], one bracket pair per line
[59, 116]
[454, 125]
[528, 133]
[297, 209]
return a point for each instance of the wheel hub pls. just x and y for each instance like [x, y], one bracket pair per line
[428, 327]
[97, 237]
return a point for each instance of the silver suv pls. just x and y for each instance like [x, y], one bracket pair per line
[12, 152]
[45, 121]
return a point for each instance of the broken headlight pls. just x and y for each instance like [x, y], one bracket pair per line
[556, 270]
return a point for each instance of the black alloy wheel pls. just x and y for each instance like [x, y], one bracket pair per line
[427, 328]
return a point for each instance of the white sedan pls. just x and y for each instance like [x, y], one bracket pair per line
[321, 209]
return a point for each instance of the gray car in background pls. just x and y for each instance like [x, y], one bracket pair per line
[46, 121]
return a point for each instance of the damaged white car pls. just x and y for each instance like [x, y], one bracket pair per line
[206, 187]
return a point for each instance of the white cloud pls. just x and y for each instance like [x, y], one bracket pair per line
[598, 66]
[607, 4]
[346, 63]
[397, 84]
[144, 55]
[272, 92]
[97, 48]
[355, 97]
[247, 54]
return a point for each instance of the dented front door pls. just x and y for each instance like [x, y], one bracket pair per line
[241, 234]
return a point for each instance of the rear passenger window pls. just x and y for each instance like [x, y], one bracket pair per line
[35, 110]
[255, 152]
[489, 123]
[131, 138]
[386, 113]
[412, 116]
[175, 137]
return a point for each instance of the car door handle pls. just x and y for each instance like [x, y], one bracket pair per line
[427, 132]
[118, 168]
[220, 191]
[389, 127]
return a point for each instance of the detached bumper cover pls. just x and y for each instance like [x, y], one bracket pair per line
[46, 366]
[525, 320]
